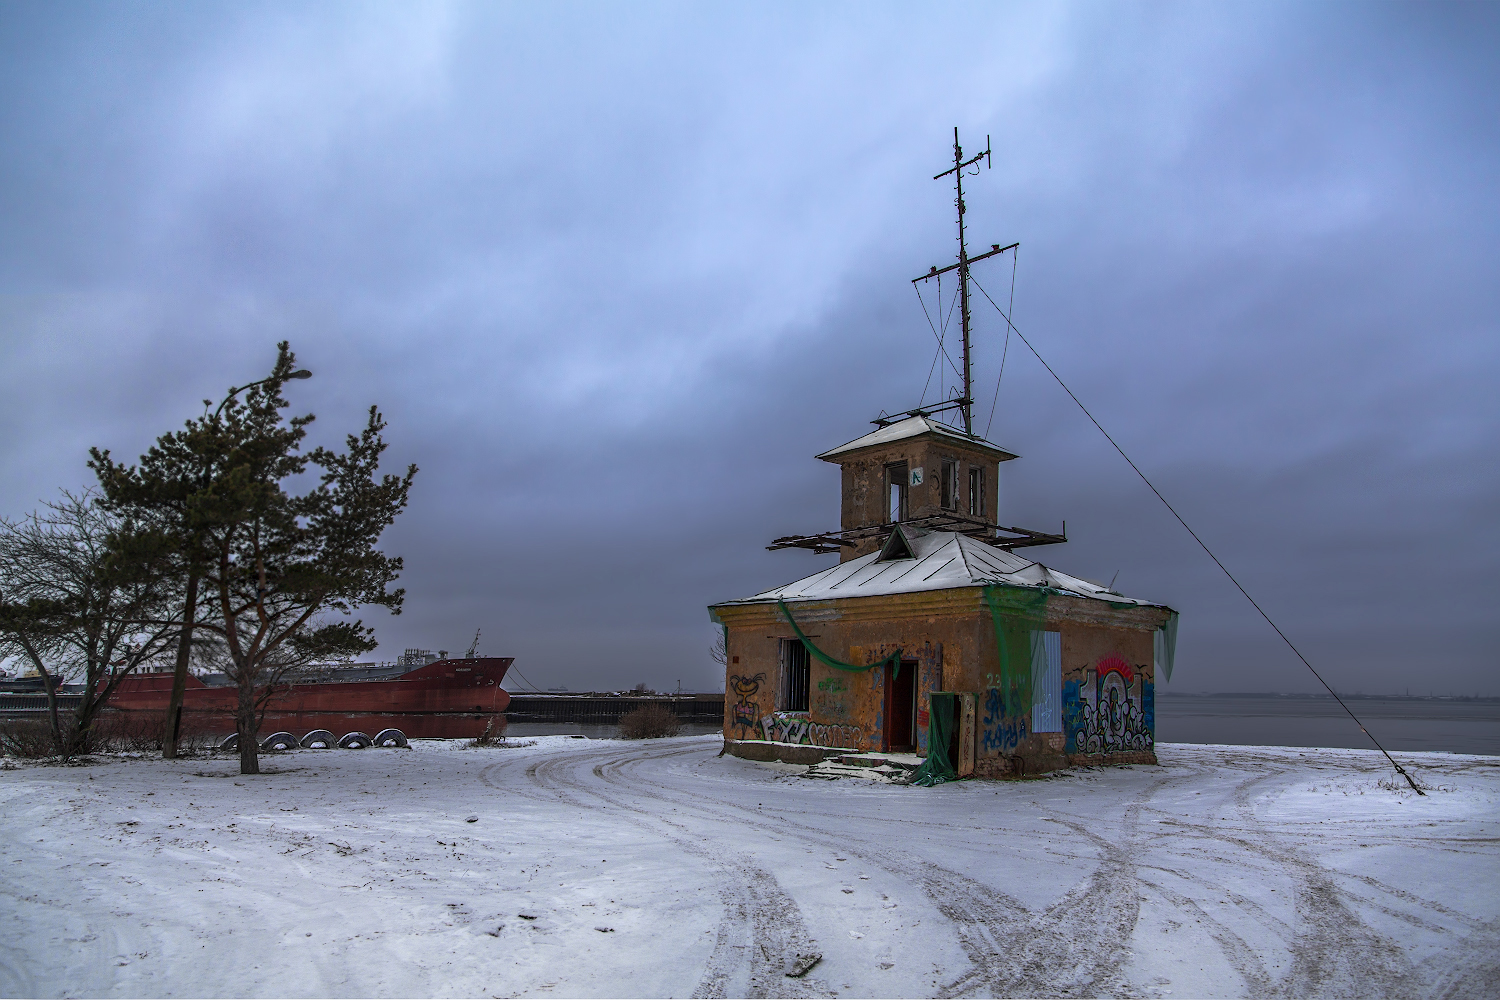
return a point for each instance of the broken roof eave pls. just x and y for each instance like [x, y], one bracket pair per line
[941, 561]
[909, 428]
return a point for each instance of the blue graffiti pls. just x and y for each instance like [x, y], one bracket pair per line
[1072, 712]
[1002, 732]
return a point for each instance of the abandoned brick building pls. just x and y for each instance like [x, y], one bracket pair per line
[931, 610]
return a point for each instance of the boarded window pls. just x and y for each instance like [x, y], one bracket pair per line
[976, 491]
[950, 484]
[795, 676]
[895, 476]
[1046, 682]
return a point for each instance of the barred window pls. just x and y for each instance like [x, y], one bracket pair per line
[796, 675]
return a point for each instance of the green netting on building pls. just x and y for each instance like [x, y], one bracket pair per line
[1165, 646]
[893, 660]
[1015, 612]
[941, 719]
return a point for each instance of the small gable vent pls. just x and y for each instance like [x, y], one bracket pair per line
[896, 547]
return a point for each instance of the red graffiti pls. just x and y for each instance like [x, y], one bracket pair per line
[1119, 666]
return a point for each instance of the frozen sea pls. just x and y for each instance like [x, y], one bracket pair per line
[580, 867]
[1441, 724]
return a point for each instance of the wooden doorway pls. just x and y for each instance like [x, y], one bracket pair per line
[901, 708]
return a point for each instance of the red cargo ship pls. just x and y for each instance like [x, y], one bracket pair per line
[446, 699]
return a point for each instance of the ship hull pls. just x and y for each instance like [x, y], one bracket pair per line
[448, 699]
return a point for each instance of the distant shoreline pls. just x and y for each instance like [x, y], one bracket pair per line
[1164, 692]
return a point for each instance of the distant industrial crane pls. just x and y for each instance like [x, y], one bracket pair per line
[473, 646]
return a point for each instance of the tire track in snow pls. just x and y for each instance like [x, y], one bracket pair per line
[1079, 945]
[1334, 952]
[14, 980]
[1475, 971]
[1234, 949]
[1075, 946]
[761, 932]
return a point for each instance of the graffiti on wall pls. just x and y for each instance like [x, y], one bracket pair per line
[831, 699]
[795, 727]
[1110, 710]
[929, 679]
[746, 711]
[832, 707]
[1002, 733]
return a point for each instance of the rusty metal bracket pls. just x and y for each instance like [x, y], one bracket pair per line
[826, 542]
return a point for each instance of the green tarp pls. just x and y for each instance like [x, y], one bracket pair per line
[893, 660]
[941, 718]
[1015, 612]
[1165, 646]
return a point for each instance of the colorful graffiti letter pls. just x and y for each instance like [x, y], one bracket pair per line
[796, 727]
[1110, 713]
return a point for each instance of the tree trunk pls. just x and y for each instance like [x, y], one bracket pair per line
[50, 684]
[83, 715]
[245, 724]
[173, 728]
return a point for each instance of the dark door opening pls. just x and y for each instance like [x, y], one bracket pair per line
[901, 708]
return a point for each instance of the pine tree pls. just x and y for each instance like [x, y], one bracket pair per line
[279, 573]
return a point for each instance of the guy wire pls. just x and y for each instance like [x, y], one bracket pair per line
[1290, 645]
[939, 337]
[1006, 349]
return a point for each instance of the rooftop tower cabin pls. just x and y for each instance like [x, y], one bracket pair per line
[886, 478]
[916, 471]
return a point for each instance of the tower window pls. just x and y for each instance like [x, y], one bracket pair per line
[976, 491]
[896, 508]
[796, 676]
[950, 484]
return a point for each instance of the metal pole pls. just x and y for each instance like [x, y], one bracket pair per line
[963, 277]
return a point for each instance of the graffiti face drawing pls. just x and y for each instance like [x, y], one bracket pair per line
[746, 712]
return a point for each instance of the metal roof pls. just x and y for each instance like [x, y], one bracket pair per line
[912, 427]
[943, 560]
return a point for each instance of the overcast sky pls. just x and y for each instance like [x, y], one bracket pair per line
[615, 273]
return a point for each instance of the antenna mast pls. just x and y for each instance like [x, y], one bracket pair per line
[966, 401]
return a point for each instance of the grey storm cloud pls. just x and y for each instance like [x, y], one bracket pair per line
[615, 273]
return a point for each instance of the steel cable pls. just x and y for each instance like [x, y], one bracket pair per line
[1290, 645]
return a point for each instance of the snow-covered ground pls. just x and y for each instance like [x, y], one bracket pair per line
[604, 868]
